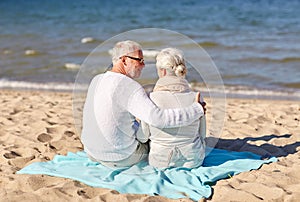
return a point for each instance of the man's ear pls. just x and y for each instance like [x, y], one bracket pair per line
[123, 60]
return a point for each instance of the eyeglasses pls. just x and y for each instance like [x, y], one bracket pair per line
[141, 60]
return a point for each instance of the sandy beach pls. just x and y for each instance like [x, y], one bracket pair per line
[35, 126]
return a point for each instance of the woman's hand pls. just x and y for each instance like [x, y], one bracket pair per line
[198, 99]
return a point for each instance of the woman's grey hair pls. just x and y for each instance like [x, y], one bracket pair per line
[124, 48]
[172, 60]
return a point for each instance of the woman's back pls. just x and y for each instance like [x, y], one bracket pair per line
[181, 146]
[178, 146]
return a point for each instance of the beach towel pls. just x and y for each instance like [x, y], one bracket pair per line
[142, 178]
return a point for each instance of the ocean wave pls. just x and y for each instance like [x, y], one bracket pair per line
[150, 53]
[246, 92]
[72, 66]
[31, 52]
[290, 85]
[87, 40]
[271, 60]
[7, 84]
[228, 91]
[209, 44]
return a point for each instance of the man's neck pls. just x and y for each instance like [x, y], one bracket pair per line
[118, 69]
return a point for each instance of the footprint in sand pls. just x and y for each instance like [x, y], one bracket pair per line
[56, 132]
[44, 137]
[11, 155]
[69, 133]
[83, 194]
[17, 160]
[38, 182]
[21, 161]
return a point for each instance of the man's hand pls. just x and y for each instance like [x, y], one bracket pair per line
[197, 99]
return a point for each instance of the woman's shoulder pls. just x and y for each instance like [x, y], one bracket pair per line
[167, 99]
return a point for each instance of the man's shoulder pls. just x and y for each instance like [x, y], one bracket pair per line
[116, 75]
[124, 79]
[117, 79]
[110, 76]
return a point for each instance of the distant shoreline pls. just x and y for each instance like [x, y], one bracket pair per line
[240, 92]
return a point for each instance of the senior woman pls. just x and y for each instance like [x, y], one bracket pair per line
[178, 146]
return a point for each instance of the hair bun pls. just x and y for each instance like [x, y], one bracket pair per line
[180, 70]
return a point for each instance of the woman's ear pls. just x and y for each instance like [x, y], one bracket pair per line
[161, 72]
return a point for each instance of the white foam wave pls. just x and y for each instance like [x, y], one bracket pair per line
[72, 66]
[87, 40]
[31, 52]
[150, 53]
[228, 91]
[51, 86]
[248, 92]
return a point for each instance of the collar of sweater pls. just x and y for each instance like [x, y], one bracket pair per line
[172, 84]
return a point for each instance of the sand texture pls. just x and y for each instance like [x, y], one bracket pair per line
[35, 126]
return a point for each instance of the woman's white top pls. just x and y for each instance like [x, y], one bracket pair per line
[176, 146]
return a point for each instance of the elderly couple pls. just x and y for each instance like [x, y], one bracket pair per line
[122, 125]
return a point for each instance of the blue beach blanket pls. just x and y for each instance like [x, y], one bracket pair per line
[144, 179]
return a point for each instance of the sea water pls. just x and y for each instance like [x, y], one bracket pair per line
[254, 44]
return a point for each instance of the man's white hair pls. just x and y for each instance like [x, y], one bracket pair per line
[124, 48]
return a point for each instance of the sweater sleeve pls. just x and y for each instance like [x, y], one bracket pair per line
[140, 106]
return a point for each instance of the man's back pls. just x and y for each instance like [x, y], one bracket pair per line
[106, 122]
